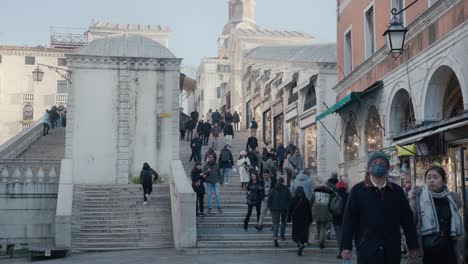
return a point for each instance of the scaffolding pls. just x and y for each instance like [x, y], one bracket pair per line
[67, 38]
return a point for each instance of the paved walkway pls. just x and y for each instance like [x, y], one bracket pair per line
[169, 256]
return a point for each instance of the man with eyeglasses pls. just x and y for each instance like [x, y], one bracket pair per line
[375, 211]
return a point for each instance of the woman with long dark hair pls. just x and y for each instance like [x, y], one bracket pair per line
[300, 213]
[254, 197]
[438, 221]
[198, 178]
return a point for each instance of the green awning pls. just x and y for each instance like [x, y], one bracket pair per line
[349, 99]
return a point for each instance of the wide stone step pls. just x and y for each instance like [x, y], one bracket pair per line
[117, 245]
[259, 250]
[117, 211]
[239, 224]
[249, 243]
[130, 239]
[120, 234]
[118, 225]
[106, 230]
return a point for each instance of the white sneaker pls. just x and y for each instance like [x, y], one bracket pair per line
[145, 203]
[148, 196]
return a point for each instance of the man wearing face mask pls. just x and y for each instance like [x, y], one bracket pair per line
[375, 211]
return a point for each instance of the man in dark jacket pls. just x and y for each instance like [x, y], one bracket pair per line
[228, 117]
[375, 211]
[279, 202]
[236, 120]
[253, 126]
[196, 146]
[226, 161]
[206, 132]
[146, 179]
[252, 142]
[190, 126]
[194, 116]
[213, 178]
[228, 133]
[337, 220]
[216, 116]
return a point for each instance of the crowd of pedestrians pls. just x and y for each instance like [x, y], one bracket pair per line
[54, 118]
[372, 216]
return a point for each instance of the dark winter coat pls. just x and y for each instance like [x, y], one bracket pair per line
[290, 148]
[228, 130]
[196, 144]
[228, 117]
[190, 125]
[253, 159]
[338, 220]
[320, 204]
[214, 173]
[280, 197]
[235, 117]
[207, 127]
[373, 218]
[194, 115]
[281, 151]
[223, 162]
[254, 125]
[252, 142]
[197, 177]
[300, 213]
[216, 116]
[146, 175]
[200, 127]
[254, 196]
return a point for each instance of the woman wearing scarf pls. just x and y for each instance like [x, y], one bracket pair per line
[439, 224]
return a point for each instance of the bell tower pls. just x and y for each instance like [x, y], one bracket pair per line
[241, 11]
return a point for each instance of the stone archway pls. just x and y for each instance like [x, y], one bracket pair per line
[444, 98]
[402, 117]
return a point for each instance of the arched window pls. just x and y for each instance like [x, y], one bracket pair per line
[402, 116]
[351, 141]
[28, 112]
[374, 131]
[311, 96]
[293, 96]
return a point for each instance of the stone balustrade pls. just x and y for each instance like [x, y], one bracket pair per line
[19, 143]
[29, 171]
[184, 222]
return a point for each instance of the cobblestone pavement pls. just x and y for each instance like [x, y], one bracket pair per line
[169, 256]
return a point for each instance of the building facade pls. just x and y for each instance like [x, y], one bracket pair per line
[283, 86]
[412, 107]
[23, 101]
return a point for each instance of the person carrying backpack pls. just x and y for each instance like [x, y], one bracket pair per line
[321, 212]
[146, 179]
[226, 161]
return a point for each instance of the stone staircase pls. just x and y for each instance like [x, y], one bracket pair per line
[223, 233]
[50, 147]
[109, 218]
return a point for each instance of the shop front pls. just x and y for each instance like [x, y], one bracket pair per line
[445, 145]
[292, 126]
[267, 127]
[278, 125]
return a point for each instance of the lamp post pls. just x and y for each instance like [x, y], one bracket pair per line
[396, 33]
[38, 74]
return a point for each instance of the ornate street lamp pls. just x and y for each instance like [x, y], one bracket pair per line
[38, 74]
[396, 33]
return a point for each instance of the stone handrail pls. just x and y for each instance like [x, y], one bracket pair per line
[184, 222]
[19, 143]
[29, 171]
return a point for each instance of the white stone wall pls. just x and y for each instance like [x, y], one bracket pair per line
[125, 112]
[16, 80]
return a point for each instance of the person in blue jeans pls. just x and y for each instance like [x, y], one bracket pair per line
[226, 162]
[213, 179]
[279, 200]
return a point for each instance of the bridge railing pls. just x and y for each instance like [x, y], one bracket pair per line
[29, 171]
[19, 143]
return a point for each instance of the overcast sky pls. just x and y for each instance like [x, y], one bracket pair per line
[196, 24]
